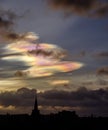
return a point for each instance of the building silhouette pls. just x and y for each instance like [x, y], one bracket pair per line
[35, 111]
[62, 120]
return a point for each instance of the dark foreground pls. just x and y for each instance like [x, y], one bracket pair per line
[62, 121]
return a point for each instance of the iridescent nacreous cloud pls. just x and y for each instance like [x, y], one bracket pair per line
[43, 59]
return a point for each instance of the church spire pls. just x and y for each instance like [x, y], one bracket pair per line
[35, 111]
[36, 104]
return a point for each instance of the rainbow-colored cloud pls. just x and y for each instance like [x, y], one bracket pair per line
[44, 59]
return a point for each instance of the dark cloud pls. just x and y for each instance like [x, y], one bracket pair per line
[85, 100]
[81, 7]
[12, 36]
[27, 36]
[102, 11]
[102, 71]
[101, 55]
[82, 98]
[7, 22]
[21, 97]
[56, 54]
[7, 18]
[55, 97]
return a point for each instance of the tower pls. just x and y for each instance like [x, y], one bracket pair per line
[35, 111]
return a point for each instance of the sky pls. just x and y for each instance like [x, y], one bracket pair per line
[57, 48]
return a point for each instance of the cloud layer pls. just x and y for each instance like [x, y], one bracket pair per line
[103, 54]
[43, 59]
[7, 22]
[102, 71]
[92, 8]
[21, 97]
[82, 100]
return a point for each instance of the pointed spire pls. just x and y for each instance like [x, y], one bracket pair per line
[35, 111]
[36, 104]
